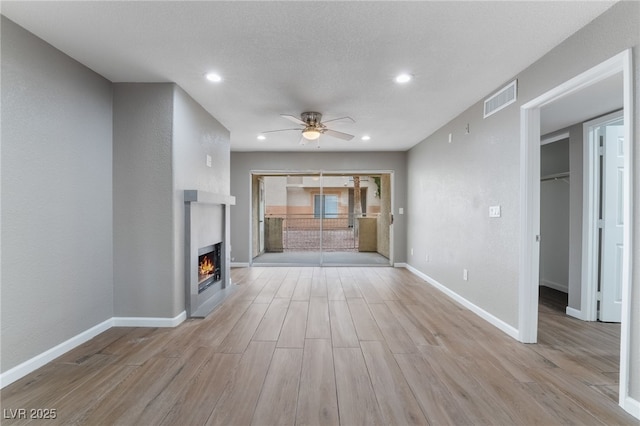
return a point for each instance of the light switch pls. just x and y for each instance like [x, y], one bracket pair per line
[494, 211]
[208, 160]
[400, 210]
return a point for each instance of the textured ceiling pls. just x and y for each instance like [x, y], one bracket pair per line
[338, 58]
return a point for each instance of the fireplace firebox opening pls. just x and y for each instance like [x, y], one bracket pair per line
[209, 271]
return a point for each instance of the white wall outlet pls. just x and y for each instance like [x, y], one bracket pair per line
[494, 211]
[208, 160]
[426, 258]
[450, 137]
[401, 210]
[465, 275]
[411, 251]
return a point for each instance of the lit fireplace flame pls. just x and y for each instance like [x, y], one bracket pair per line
[206, 266]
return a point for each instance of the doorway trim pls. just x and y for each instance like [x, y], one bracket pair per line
[530, 205]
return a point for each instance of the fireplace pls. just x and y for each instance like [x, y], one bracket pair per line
[209, 262]
[206, 265]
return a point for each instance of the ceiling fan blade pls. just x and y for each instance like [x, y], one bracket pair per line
[294, 119]
[346, 119]
[280, 130]
[339, 135]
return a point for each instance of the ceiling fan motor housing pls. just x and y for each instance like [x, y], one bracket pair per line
[311, 118]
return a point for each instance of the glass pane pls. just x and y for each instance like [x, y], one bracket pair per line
[331, 206]
[317, 207]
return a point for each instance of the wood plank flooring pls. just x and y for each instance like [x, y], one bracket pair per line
[328, 346]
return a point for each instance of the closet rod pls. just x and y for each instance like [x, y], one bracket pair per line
[555, 176]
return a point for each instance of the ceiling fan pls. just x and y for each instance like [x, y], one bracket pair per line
[313, 126]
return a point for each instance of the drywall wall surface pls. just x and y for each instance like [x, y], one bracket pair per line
[243, 163]
[482, 168]
[450, 189]
[554, 158]
[554, 234]
[143, 200]
[57, 264]
[554, 215]
[196, 135]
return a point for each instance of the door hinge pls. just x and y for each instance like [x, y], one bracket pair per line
[599, 296]
[601, 151]
[600, 223]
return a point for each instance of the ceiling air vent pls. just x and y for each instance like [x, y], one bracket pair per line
[502, 98]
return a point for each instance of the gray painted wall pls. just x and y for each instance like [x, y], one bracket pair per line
[161, 140]
[196, 134]
[554, 216]
[451, 186]
[242, 163]
[143, 215]
[57, 276]
[554, 234]
[554, 158]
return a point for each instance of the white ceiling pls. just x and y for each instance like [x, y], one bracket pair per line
[337, 58]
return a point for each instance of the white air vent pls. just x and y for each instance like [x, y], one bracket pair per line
[502, 98]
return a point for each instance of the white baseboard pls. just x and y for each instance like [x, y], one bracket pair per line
[506, 328]
[631, 406]
[399, 265]
[38, 361]
[149, 322]
[240, 264]
[572, 312]
[556, 286]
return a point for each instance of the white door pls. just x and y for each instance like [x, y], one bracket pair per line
[261, 235]
[612, 140]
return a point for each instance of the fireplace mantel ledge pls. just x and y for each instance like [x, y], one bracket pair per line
[196, 196]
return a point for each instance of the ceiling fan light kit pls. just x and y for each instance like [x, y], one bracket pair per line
[314, 127]
[310, 134]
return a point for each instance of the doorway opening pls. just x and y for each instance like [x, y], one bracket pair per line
[321, 218]
[556, 207]
[531, 195]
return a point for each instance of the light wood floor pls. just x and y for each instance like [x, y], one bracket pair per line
[351, 346]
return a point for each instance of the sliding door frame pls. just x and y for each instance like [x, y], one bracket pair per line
[322, 173]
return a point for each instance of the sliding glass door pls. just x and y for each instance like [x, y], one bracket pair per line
[317, 219]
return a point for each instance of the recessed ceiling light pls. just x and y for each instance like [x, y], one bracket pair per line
[261, 137]
[366, 137]
[403, 78]
[212, 76]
